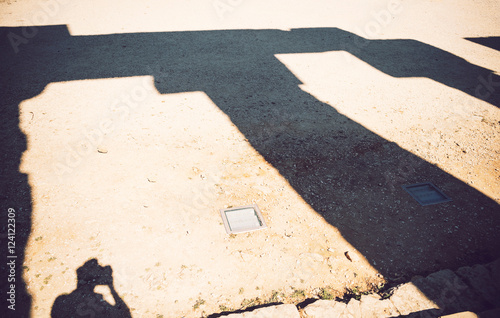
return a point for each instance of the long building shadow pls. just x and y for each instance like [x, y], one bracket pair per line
[319, 151]
[493, 42]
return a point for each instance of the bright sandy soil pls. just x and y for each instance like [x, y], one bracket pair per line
[144, 194]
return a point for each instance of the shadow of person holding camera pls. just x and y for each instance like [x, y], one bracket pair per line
[84, 301]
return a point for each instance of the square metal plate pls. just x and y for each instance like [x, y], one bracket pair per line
[426, 193]
[242, 219]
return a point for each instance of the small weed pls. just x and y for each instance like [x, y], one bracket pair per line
[47, 279]
[385, 293]
[298, 293]
[380, 288]
[356, 293]
[224, 308]
[250, 302]
[326, 294]
[198, 303]
[276, 297]
[242, 290]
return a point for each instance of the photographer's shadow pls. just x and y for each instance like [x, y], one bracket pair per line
[84, 301]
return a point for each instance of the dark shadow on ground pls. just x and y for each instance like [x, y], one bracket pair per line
[492, 42]
[84, 302]
[319, 151]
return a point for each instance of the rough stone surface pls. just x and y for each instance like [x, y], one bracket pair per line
[479, 278]
[442, 293]
[493, 313]
[408, 298]
[494, 268]
[449, 292]
[373, 307]
[325, 308]
[352, 310]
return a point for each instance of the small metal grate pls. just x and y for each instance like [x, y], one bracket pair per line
[242, 219]
[426, 193]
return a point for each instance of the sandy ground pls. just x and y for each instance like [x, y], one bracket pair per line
[135, 122]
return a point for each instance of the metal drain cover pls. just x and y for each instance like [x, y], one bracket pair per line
[242, 219]
[426, 193]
